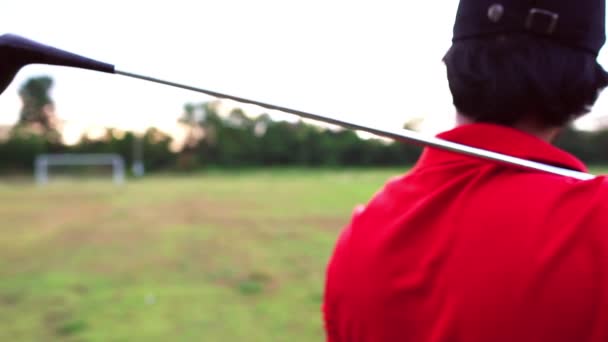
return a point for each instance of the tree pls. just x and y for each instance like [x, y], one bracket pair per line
[38, 108]
[191, 118]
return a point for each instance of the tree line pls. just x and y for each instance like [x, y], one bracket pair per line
[213, 140]
[232, 140]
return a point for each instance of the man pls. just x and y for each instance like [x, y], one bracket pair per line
[462, 249]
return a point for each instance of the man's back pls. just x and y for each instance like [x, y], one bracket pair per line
[466, 250]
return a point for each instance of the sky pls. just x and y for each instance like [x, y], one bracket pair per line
[365, 61]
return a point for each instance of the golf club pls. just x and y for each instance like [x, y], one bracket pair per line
[16, 52]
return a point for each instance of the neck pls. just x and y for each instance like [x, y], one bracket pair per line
[531, 127]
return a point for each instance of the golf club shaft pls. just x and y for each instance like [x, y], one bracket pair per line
[391, 133]
[17, 51]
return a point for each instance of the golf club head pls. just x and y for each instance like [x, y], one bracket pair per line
[17, 52]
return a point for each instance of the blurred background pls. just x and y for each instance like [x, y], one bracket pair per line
[133, 211]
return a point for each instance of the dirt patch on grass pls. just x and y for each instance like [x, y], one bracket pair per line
[99, 225]
[191, 211]
[96, 237]
[11, 299]
[324, 222]
[139, 237]
[53, 216]
[234, 213]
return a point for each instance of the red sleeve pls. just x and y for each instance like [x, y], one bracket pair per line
[335, 279]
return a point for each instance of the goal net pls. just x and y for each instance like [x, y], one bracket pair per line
[83, 163]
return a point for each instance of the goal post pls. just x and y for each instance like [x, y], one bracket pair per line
[43, 161]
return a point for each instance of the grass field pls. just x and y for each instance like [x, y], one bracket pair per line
[213, 257]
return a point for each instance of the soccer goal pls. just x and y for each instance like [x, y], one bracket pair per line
[45, 161]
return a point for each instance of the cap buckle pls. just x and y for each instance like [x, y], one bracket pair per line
[539, 16]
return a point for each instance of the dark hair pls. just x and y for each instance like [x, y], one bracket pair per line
[507, 78]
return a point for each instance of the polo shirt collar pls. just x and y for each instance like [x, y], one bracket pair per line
[503, 140]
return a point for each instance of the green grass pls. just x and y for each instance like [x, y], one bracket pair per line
[598, 170]
[223, 256]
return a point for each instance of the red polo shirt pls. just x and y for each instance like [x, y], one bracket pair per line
[462, 249]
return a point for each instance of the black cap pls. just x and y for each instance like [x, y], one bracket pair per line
[577, 23]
